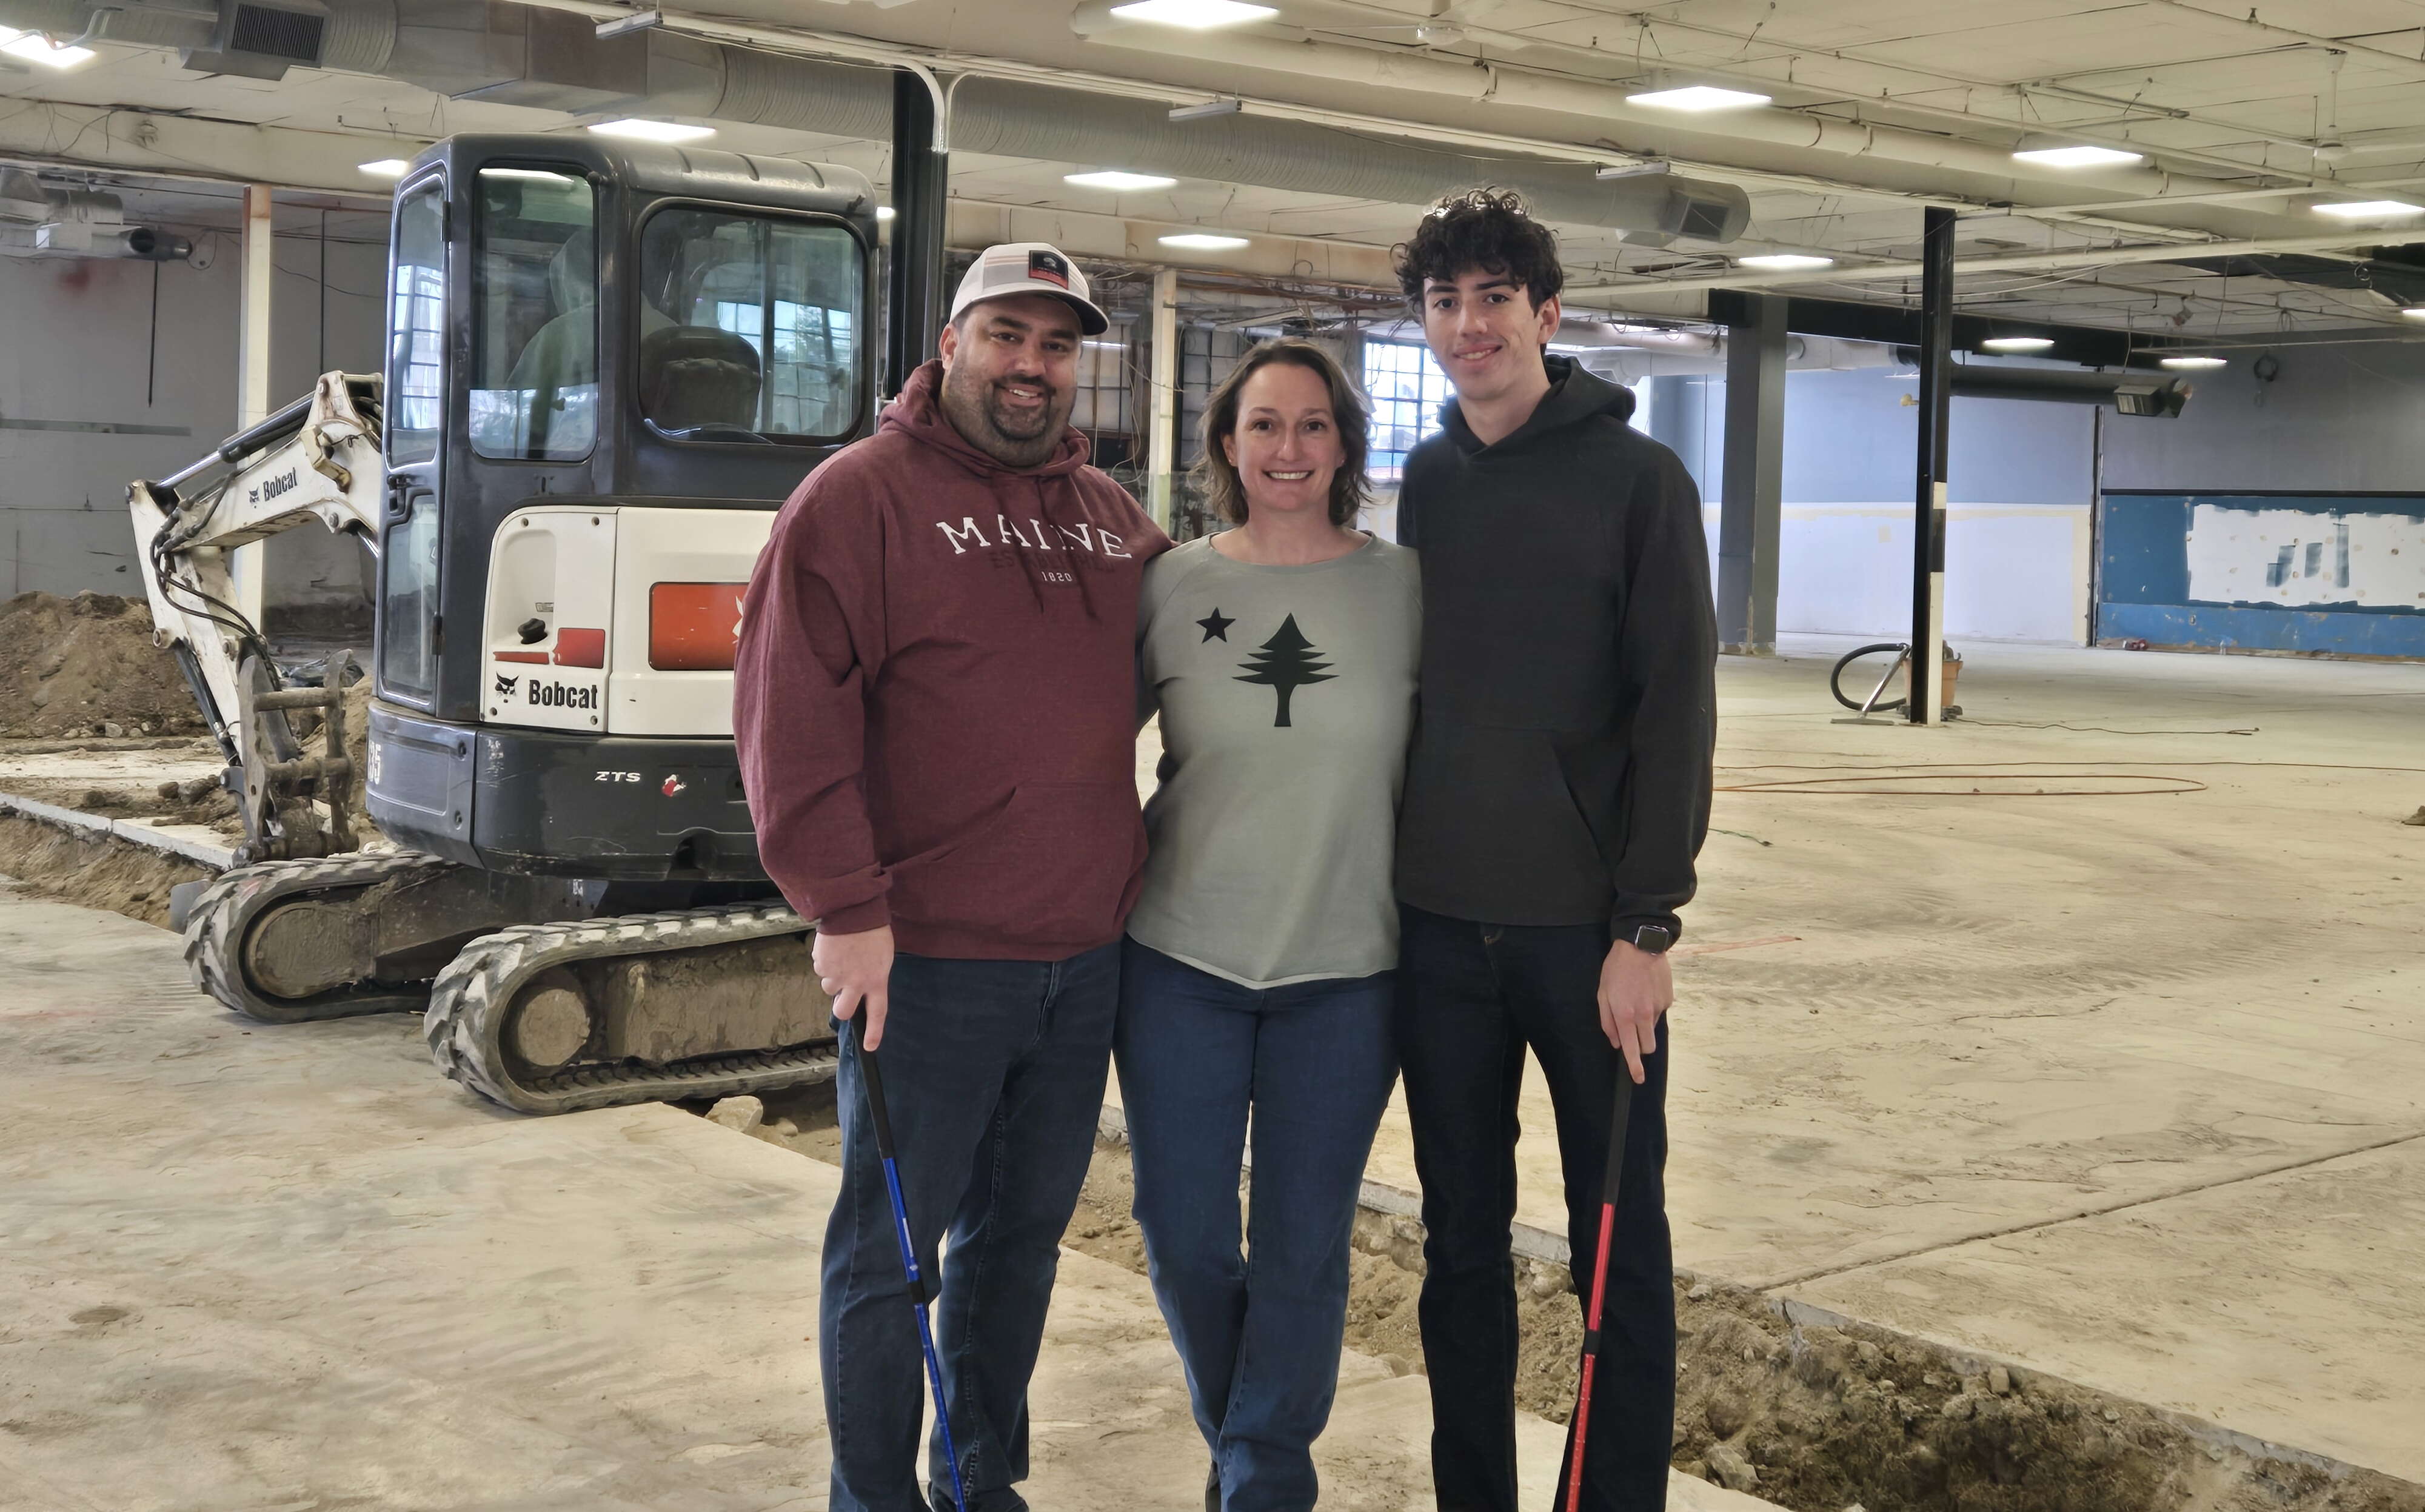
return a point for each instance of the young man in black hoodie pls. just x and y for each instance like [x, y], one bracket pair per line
[1557, 794]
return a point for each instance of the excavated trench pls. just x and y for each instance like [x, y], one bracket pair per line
[1812, 1416]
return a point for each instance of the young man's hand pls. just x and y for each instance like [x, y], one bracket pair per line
[1634, 990]
[857, 970]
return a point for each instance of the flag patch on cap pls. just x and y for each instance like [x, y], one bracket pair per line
[1049, 267]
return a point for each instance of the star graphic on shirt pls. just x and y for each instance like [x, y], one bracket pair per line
[1214, 626]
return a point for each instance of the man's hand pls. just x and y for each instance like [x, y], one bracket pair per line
[1634, 990]
[858, 968]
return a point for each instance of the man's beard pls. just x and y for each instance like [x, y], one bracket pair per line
[973, 406]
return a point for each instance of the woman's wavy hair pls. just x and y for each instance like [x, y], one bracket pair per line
[1226, 492]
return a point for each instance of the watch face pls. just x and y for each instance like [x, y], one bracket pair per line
[1652, 938]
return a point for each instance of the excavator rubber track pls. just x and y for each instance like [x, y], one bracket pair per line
[222, 918]
[472, 999]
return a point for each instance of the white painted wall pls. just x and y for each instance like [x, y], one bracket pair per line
[2012, 571]
[75, 340]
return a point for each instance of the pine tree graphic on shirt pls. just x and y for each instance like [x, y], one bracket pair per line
[1285, 662]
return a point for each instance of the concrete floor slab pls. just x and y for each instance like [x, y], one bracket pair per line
[244, 1268]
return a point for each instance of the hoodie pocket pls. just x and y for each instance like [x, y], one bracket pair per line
[1052, 867]
[1490, 808]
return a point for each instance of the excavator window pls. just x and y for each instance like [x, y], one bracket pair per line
[534, 388]
[417, 328]
[750, 328]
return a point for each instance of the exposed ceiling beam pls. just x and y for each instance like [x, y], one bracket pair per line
[2017, 262]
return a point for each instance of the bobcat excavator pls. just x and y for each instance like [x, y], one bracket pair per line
[607, 365]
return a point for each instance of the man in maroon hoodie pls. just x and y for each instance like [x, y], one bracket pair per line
[935, 709]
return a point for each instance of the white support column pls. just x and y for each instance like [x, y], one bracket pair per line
[252, 371]
[1161, 440]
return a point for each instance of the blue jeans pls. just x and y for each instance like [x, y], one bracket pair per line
[993, 1075]
[1470, 998]
[1259, 1337]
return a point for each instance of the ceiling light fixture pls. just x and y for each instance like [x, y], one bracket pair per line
[1698, 97]
[1193, 241]
[2370, 210]
[1209, 109]
[36, 48]
[653, 131]
[2196, 361]
[2415, 313]
[885, 212]
[1633, 170]
[2078, 156]
[386, 168]
[1196, 15]
[2016, 344]
[625, 25]
[1784, 261]
[1113, 179]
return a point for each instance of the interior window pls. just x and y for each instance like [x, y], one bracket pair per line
[417, 327]
[534, 365]
[750, 328]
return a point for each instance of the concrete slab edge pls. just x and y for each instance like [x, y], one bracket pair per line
[1527, 1242]
[219, 858]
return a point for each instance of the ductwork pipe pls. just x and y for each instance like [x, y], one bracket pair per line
[1297, 53]
[514, 56]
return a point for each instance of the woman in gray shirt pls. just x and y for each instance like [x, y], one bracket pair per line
[1257, 973]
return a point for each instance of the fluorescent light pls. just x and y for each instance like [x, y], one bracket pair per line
[1113, 179]
[525, 173]
[2018, 344]
[35, 48]
[386, 168]
[652, 131]
[1196, 15]
[2370, 210]
[2417, 313]
[885, 212]
[1785, 260]
[1698, 97]
[1208, 110]
[1200, 242]
[2196, 361]
[2078, 156]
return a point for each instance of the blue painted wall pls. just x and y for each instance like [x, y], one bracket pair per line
[2145, 577]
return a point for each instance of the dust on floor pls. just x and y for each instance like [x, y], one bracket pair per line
[93, 870]
[1813, 1417]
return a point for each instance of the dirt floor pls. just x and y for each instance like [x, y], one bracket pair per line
[87, 666]
[92, 870]
[1813, 1417]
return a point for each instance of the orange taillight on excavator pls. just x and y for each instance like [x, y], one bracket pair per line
[694, 627]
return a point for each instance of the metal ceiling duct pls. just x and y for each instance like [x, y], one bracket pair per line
[552, 59]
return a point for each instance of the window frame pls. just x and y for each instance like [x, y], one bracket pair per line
[862, 370]
[477, 290]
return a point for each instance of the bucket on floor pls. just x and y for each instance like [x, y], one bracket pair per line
[1947, 671]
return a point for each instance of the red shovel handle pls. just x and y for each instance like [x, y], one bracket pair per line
[1623, 1115]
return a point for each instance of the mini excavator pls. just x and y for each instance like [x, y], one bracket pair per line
[608, 365]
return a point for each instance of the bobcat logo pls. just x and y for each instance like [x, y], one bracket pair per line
[505, 685]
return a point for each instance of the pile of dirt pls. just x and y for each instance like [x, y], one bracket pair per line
[86, 666]
[91, 870]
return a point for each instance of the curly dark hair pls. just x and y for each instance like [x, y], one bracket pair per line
[1486, 228]
[1226, 492]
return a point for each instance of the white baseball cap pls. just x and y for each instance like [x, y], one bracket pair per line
[1030, 267]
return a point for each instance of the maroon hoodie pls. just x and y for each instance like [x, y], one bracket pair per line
[935, 693]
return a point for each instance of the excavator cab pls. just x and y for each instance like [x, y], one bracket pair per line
[608, 364]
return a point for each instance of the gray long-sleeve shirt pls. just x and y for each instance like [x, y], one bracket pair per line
[1287, 695]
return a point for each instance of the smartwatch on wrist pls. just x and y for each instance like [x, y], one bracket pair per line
[1653, 939]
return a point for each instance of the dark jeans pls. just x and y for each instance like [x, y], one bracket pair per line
[993, 1074]
[1259, 1337]
[1470, 997]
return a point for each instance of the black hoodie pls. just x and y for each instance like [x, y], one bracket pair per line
[1561, 766]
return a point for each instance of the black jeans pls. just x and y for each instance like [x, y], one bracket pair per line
[1470, 997]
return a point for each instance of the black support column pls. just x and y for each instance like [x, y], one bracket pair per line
[1753, 491]
[1936, 414]
[921, 179]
